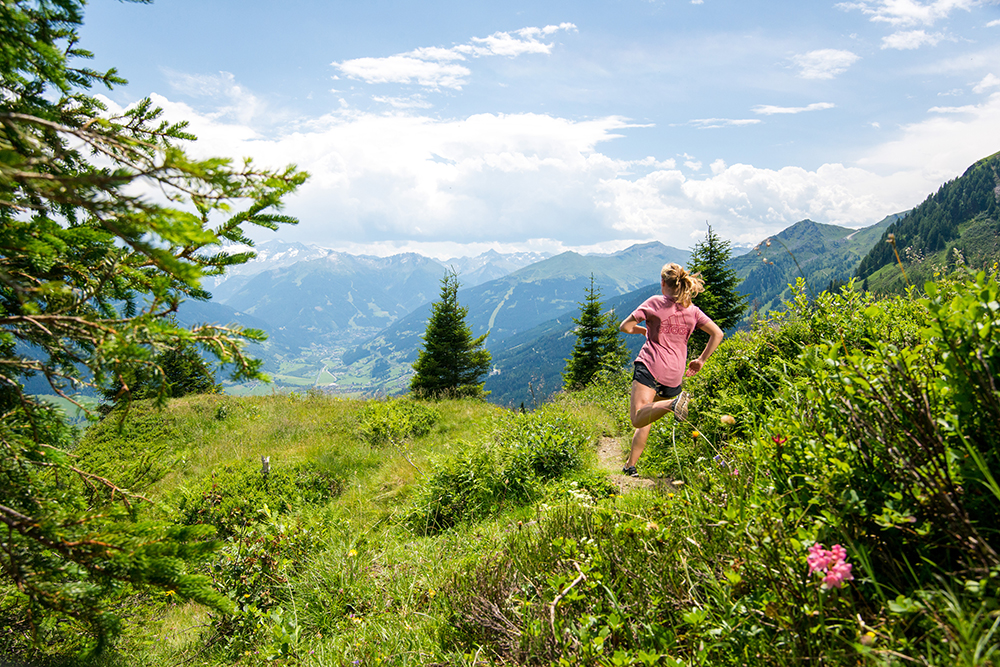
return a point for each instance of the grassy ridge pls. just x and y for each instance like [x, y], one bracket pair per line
[459, 533]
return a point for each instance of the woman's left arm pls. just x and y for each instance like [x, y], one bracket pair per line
[715, 337]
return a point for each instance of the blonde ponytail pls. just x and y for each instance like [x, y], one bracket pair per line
[684, 285]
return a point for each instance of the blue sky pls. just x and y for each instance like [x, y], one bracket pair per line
[453, 127]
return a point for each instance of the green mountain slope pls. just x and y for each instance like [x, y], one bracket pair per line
[963, 215]
[527, 368]
[315, 301]
[513, 304]
[822, 254]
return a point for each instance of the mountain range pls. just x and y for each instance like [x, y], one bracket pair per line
[353, 324]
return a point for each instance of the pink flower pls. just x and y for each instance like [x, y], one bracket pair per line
[831, 564]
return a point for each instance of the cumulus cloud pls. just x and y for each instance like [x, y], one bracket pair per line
[908, 12]
[437, 67]
[910, 39]
[770, 110]
[989, 81]
[404, 179]
[824, 63]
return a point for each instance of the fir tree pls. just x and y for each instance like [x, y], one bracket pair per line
[720, 301]
[451, 362]
[90, 272]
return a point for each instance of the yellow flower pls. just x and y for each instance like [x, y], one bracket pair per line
[352, 552]
[695, 434]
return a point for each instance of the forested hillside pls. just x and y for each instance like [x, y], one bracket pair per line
[822, 255]
[963, 216]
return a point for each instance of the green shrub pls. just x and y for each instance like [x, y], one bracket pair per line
[488, 478]
[135, 445]
[234, 496]
[899, 444]
[389, 422]
[253, 569]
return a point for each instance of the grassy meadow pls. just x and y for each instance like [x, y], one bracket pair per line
[833, 500]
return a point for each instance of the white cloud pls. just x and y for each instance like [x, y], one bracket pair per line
[993, 24]
[406, 69]
[231, 100]
[908, 12]
[712, 123]
[824, 63]
[966, 109]
[940, 147]
[989, 81]
[910, 39]
[403, 179]
[769, 109]
[435, 67]
[413, 102]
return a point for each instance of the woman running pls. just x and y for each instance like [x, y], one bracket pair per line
[659, 369]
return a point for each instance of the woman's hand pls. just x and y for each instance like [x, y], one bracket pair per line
[694, 366]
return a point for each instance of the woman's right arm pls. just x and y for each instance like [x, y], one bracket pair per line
[631, 326]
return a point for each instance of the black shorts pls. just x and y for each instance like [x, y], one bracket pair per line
[642, 375]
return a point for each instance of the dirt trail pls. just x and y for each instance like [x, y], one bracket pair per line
[611, 453]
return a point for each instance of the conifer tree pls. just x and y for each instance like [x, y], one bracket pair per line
[90, 272]
[615, 354]
[589, 346]
[451, 362]
[599, 345]
[721, 299]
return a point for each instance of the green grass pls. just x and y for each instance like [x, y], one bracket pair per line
[541, 562]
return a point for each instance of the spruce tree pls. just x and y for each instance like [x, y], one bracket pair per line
[451, 362]
[721, 301]
[589, 346]
[615, 354]
[90, 271]
[599, 345]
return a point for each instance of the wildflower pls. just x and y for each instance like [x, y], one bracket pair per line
[769, 243]
[695, 434]
[352, 552]
[779, 440]
[831, 563]
[728, 420]
[735, 472]
[868, 638]
[652, 526]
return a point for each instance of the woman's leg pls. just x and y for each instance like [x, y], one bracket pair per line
[645, 407]
[639, 439]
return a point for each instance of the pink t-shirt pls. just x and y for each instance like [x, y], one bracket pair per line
[668, 327]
